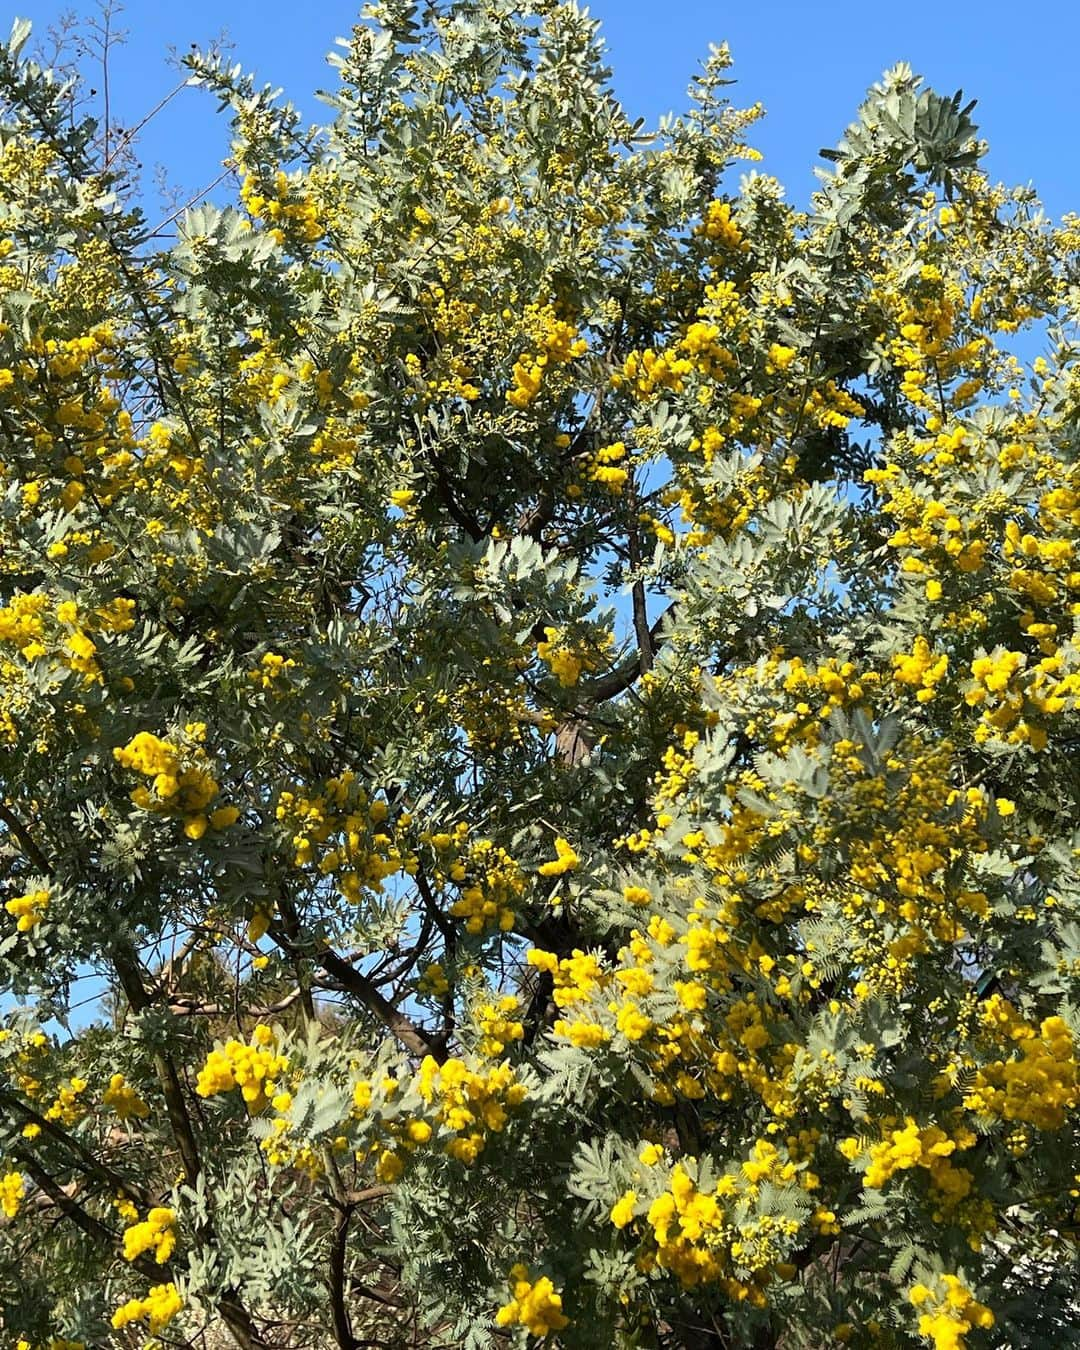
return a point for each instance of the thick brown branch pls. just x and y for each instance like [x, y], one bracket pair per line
[641, 614]
[237, 1318]
[82, 1158]
[63, 1197]
[127, 969]
[444, 925]
[339, 1311]
[233, 1313]
[620, 679]
[181, 1006]
[356, 982]
[290, 921]
[65, 1203]
[455, 510]
[355, 1198]
[25, 839]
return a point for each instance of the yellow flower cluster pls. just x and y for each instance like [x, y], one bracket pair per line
[565, 860]
[270, 671]
[158, 1308]
[577, 976]
[182, 784]
[391, 1161]
[397, 1138]
[925, 347]
[23, 624]
[469, 1104]
[930, 1148]
[281, 209]
[54, 1343]
[565, 661]
[343, 831]
[283, 1148]
[921, 668]
[649, 371]
[497, 1025]
[831, 406]
[950, 1314]
[576, 979]
[555, 343]
[717, 226]
[156, 1233]
[79, 651]
[69, 411]
[122, 1098]
[700, 1240]
[900, 830]
[677, 763]
[492, 713]
[28, 909]
[779, 358]
[433, 981]
[12, 1193]
[606, 467]
[815, 692]
[721, 509]
[490, 881]
[932, 537]
[534, 1305]
[66, 1106]
[252, 1068]
[904, 837]
[1041, 1085]
[1010, 694]
[687, 1224]
[698, 351]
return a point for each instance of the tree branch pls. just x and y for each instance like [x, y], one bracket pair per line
[86, 1163]
[25, 839]
[622, 677]
[355, 982]
[339, 1311]
[127, 969]
[641, 613]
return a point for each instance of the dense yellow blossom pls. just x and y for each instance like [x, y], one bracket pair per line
[157, 1309]
[28, 910]
[565, 860]
[468, 1104]
[534, 1304]
[12, 1192]
[122, 1098]
[950, 1314]
[252, 1068]
[155, 1233]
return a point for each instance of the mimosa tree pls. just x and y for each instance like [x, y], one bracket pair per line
[544, 680]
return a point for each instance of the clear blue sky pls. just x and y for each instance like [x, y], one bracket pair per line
[807, 61]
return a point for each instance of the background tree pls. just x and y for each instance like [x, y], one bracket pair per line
[492, 957]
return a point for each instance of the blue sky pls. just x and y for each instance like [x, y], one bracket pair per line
[808, 62]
